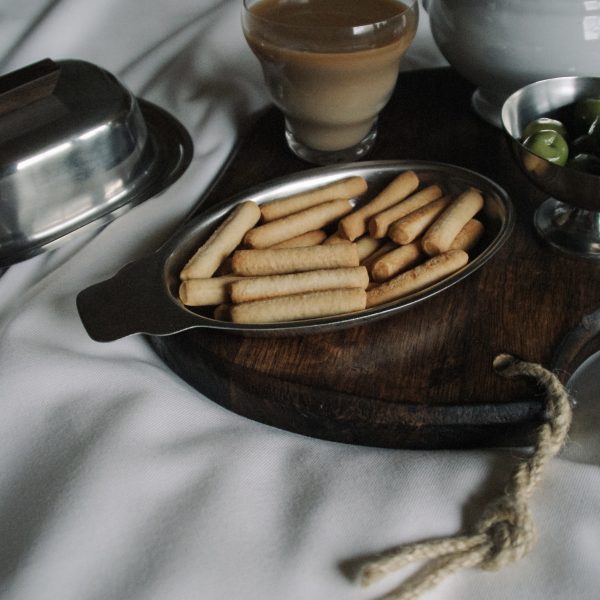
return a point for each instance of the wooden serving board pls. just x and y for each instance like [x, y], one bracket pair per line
[423, 378]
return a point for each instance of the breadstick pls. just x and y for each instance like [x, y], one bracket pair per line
[343, 189]
[410, 227]
[379, 223]
[298, 223]
[334, 238]
[397, 260]
[418, 278]
[381, 251]
[468, 236]
[206, 292]
[222, 312]
[294, 260]
[439, 237]
[366, 246]
[300, 306]
[271, 286]
[222, 242]
[355, 224]
[310, 238]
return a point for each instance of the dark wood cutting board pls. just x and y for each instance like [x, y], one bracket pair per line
[423, 378]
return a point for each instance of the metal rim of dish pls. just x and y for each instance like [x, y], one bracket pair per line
[173, 258]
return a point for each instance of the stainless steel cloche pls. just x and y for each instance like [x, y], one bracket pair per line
[77, 149]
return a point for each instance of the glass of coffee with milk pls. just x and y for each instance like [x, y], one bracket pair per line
[330, 67]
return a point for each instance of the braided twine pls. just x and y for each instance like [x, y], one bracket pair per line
[505, 531]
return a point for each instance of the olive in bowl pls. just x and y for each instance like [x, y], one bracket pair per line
[569, 137]
[569, 219]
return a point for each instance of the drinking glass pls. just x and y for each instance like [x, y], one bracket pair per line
[329, 72]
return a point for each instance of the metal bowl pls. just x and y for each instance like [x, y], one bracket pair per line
[570, 219]
[77, 148]
[143, 297]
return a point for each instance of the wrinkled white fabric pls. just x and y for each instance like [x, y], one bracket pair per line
[119, 481]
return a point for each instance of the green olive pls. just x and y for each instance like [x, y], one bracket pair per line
[585, 144]
[544, 124]
[588, 143]
[585, 162]
[594, 132]
[587, 114]
[549, 145]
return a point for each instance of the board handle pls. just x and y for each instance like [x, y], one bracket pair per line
[135, 300]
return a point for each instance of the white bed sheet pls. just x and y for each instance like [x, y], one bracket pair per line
[119, 481]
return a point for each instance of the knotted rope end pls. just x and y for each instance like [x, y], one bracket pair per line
[369, 574]
[505, 363]
[506, 531]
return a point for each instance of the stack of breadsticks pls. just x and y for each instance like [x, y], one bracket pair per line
[313, 255]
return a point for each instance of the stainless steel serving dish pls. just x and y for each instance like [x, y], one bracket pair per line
[77, 149]
[569, 220]
[143, 296]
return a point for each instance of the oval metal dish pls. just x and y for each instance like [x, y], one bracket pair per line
[143, 296]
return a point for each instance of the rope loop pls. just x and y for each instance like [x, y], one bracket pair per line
[506, 531]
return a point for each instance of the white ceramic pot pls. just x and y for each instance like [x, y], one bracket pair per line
[502, 45]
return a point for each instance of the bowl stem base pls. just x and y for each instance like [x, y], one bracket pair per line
[488, 106]
[569, 229]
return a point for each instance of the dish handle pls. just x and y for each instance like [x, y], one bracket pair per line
[135, 300]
